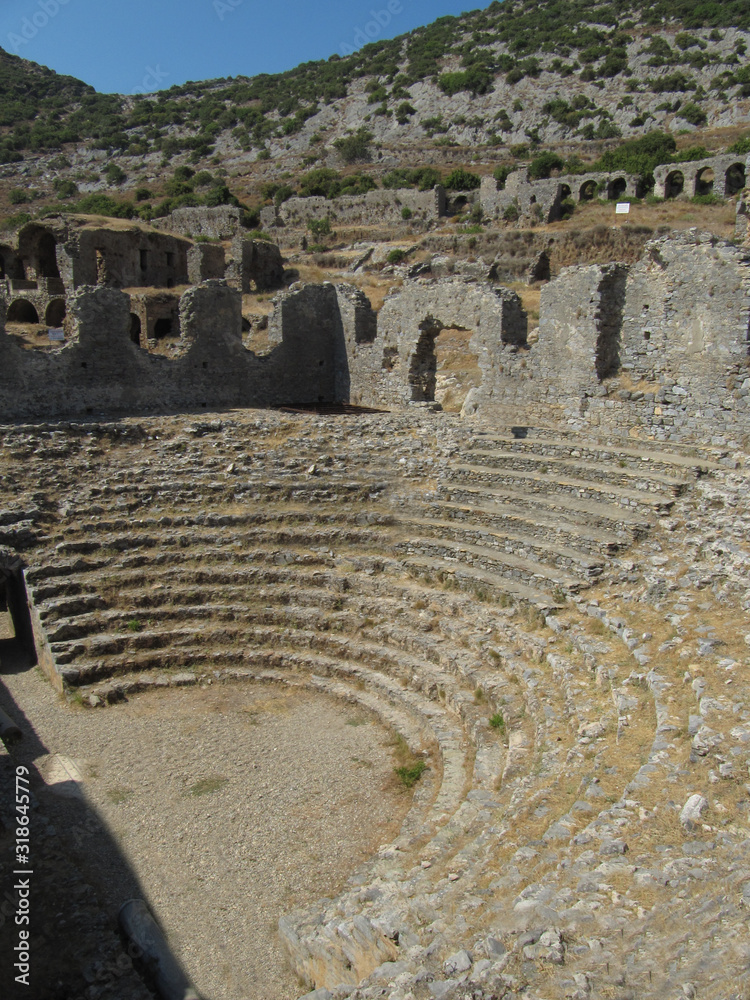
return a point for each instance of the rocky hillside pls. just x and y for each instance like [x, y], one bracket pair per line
[494, 84]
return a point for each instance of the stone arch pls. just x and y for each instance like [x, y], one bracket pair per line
[22, 311]
[37, 247]
[704, 181]
[55, 313]
[460, 203]
[135, 329]
[616, 188]
[587, 191]
[565, 191]
[674, 184]
[423, 363]
[734, 179]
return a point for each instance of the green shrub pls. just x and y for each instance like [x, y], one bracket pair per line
[18, 197]
[114, 174]
[64, 188]
[498, 722]
[319, 227]
[694, 114]
[406, 213]
[501, 174]
[511, 212]
[462, 180]
[356, 146]
[741, 146]
[542, 166]
[396, 256]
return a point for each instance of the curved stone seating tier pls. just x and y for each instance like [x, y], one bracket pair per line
[436, 574]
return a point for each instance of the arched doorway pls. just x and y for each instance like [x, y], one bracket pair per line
[55, 313]
[734, 179]
[565, 192]
[37, 247]
[616, 188]
[674, 184]
[22, 311]
[135, 329]
[588, 191]
[704, 181]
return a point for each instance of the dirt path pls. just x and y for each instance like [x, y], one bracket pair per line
[223, 807]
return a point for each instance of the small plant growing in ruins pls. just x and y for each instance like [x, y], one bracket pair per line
[479, 696]
[396, 256]
[410, 774]
[498, 722]
[135, 625]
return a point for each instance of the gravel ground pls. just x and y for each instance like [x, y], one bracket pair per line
[223, 807]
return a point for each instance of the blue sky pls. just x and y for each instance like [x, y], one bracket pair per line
[125, 46]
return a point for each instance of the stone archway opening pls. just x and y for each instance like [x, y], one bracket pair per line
[616, 188]
[674, 184]
[37, 248]
[587, 191]
[704, 181]
[55, 314]
[735, 179]
[22, 311]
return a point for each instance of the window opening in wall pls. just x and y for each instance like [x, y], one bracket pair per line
[162, 328]
[144, 259]
[135, 329]
[170, 258]
[423, 367]
[735, 179]
[704, 181]
[674, 184]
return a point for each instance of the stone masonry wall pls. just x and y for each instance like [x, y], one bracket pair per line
[220, 223]
[256, 265]
[658, 350]
[382, 206]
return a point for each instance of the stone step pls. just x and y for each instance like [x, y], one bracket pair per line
[570, 560]
[504, 564]
[580, 536]
[533, 482]
[594, 513]
[675, 460]
[609, 471]
[479, 580]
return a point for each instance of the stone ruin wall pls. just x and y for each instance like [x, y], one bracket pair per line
[220, 223]
[373, 208]
[659, 349]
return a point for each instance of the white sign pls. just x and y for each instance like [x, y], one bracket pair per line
[56, 334]
[622, 208]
